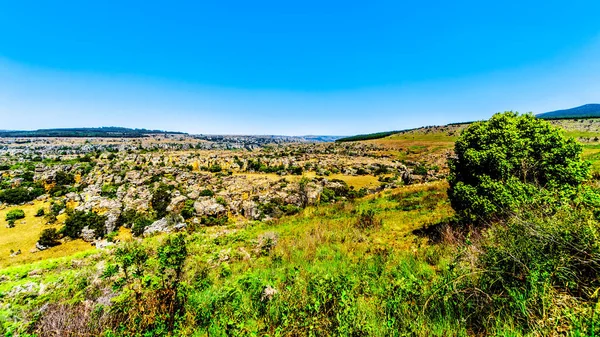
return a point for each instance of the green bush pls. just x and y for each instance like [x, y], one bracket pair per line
[206, 193]
[109, 191]
[139, 225]
[49, 237]
[502, 163]
[161, 200]
[15, 214]
[19, 195]
[77, 220]
[40, 212]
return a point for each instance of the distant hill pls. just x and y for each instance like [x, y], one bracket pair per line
[110, 131]
[588, 110]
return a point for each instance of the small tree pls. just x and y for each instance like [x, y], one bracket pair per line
[161, 200]
[49, 237]
[502, 163]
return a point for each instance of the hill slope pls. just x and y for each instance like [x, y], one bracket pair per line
[84, 132]
[588, 110]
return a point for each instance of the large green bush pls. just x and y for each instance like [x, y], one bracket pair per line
[15, 214]
[77, 220]
[500, 164]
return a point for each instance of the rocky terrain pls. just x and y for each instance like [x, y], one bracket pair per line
[173, 182]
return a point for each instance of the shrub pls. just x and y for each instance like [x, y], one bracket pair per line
[139, 225]
[109, 191]
[64, 178]
[77, 220]
[502, 163]
[215, 168]
[19, 195]
[15, 214]
[49, 237]
[188, 210]
[40, 212]
[367, 220]
[206, 193]
[161, 200]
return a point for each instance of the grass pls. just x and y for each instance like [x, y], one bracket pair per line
[26, 233]
[319, 241]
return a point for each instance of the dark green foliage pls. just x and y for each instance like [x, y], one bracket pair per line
[161, 200]
[109, 191]
[77, 220]
[369, 136]
[214, 220]
[57, 206]
[139, 225]
[136, 221]
[40, 212]
[15, 214]
[296, 170]
[20, 195]
[188, 210]
[64, 178]
[420, 170]
[215, 168]
[502, 163]
[49, 237]
[206, 193]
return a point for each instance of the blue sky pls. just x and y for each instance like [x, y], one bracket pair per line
[292, 67]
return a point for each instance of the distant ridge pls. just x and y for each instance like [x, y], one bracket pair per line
[107, 131]
[584, 111]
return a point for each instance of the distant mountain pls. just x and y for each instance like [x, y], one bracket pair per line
[588, 110]
[107, 131]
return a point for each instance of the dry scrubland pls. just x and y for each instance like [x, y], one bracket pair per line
[283, 240]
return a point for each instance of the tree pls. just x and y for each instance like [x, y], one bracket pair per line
[161, 200]
[77, 220]
[49, 237]
[504, 162]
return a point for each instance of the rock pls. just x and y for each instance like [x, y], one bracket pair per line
[87, 234]
[176, 203]
[30, 289]
[101, 244]
[268, 294]
[209, 206]
[13, 253]
[180, 226]
[35, 272]
[250, 210]
[40, 247]
[158, 226]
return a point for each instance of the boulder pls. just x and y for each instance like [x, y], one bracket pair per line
[87, 234]
[209, 207]
[158, 226]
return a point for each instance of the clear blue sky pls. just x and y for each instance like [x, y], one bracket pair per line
[292, 67]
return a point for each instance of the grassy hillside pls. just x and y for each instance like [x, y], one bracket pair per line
[369, 267]
[393, 263]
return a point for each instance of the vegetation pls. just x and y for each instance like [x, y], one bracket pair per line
[19, 195]
[413, 260]
[501, 164]
[15, 214]
[369, 136]
[77, 220]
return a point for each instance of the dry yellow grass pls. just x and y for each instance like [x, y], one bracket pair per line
[24, 236]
